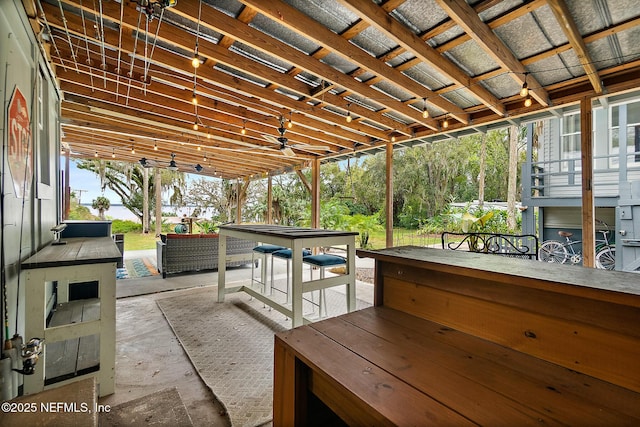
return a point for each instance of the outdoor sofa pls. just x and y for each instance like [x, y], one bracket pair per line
[179, 253]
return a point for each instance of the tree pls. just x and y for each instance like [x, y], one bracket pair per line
[102, 204]
[127, 181]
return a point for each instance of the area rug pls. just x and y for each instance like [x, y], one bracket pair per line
[231, 346]
[164, 408]
[137, 267]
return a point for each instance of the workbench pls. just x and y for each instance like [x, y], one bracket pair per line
[84, 262]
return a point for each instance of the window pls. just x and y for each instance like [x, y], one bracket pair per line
[633, 133]
[570, 140]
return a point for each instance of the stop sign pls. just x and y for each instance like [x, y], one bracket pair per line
[20, 150]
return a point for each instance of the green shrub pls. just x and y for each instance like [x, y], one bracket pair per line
[125, 226]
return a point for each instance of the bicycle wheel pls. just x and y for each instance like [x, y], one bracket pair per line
[553, 251]
[606, 258]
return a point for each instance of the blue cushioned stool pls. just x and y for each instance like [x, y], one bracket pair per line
[286, 255]
[323, 261]
[263, 251]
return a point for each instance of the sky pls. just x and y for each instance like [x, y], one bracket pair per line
[86, 185]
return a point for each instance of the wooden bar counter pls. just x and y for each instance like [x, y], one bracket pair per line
[457, 338]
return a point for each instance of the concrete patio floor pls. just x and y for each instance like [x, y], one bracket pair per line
[149, 357]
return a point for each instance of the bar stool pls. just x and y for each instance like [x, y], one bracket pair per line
[263, 251]
[286, 255]
[323, 261]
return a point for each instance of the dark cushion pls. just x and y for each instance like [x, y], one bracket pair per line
[286, 253]
[267, 249]
[324, 260]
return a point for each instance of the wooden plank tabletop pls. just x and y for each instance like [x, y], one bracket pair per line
[77, 251]
[286, 231]
[535, 273]
[463, 375]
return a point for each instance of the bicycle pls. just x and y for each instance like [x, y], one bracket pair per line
[561, 252]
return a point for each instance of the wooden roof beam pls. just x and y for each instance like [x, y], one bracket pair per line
[468, 19]
[393, 29]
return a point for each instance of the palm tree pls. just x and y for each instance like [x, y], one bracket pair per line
[102, 204]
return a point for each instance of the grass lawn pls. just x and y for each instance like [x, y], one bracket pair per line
[135, 241]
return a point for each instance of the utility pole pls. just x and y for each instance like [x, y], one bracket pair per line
[80, 194]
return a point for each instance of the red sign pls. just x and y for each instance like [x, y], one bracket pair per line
[20, 153]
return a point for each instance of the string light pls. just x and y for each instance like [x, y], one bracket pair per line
[290, 122]
[349, 118]
[393, 138]
[445, 123]
[244, 129]
[155, 146]
[195, 62]
[133, 150]
[425, 113]
[113, 153]
[199, 148]
[524, 92]
[194, 97]
[195, 126]
[95, 154]
[528, 102]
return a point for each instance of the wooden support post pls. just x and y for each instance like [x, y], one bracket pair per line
[238, 202]
[389, 195]
[269, 217]
[158, 189]
[315, 193]
[588, 209]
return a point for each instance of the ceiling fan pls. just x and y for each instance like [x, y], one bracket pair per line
[171, 165]
[285, 147]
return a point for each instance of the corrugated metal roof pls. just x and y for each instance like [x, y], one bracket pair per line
[371, 60]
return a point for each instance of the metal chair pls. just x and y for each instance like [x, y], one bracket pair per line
[286, 255]
[263, 251]
[323, 261]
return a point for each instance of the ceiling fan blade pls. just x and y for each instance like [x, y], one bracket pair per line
[288, 151]
[311, 147]
[271, 138]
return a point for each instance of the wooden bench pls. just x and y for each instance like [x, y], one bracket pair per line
[509, 245]
[459, 338]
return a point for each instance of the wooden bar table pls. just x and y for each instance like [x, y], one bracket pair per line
[81, 260]
[295, 238]
[460, 338]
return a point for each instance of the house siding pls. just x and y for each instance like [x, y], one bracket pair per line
[26, 222]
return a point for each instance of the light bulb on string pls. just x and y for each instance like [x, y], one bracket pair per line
[155, 146]
[195, 126]
[528, 102]
[445, 123]
[113, 153]
[425, 112]
[194, 98]
[524, 92]
[195, 61]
